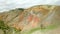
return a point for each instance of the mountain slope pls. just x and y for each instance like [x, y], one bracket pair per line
[39, 16]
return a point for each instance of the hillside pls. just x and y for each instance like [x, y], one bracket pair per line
[39, 16]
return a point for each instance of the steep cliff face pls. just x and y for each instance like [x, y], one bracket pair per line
[40, 16]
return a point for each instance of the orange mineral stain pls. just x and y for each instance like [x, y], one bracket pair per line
[30, 18]
[36, 21]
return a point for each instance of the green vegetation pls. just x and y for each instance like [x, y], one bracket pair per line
[20, 9]
[3, 26]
